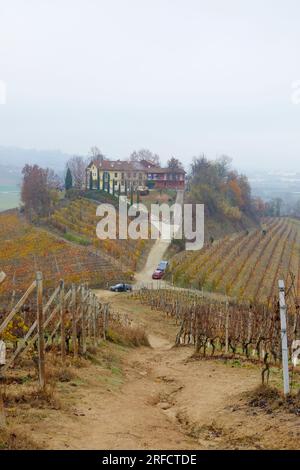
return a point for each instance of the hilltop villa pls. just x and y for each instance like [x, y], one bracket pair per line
[106, 175]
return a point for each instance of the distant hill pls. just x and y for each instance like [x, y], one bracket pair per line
[15, 157]
[9, 175]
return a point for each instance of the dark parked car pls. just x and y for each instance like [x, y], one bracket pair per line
[158, 274]
[121, 288]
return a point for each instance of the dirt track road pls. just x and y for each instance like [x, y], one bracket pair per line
[156, 254]
[162, 401]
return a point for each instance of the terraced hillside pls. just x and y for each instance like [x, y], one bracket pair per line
[77, 221]
[26, 249]
[246, 265]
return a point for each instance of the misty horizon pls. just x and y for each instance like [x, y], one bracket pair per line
[178, 78]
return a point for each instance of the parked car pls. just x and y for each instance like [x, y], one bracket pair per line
[163, 265]
[158, 274]
[121, 288]
[143, 190]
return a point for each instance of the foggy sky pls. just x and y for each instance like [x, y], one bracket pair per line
[180, 77]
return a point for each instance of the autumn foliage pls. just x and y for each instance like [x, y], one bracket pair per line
[26, 249]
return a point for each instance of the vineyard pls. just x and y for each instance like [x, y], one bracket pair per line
[42, 318]
[26, 249]
[219, 328]
[78, 222]
[245, 266]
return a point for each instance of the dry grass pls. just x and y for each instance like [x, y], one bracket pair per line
[15, 440]
[30, 395]
[270, 399]
[62, 373]
[130, 336]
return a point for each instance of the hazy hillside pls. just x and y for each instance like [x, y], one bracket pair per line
[14, 157]
[9, 175]
[226, 195]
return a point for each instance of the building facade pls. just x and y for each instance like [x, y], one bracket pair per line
[114, 176]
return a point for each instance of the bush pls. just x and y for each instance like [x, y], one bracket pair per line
[128, 336]
[77, 239]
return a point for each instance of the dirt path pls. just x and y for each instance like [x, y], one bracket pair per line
[156, 255]
[161, 400]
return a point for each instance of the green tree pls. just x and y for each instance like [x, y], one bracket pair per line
[68, 180]
[131, 195]
[174, 164]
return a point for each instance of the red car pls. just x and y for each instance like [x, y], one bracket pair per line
[158, 274]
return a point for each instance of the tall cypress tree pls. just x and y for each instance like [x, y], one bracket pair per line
[68, 180]
[131, 195]
[91, 180]
[98, 180]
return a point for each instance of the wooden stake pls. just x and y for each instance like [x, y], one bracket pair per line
[83, 322]
[95, 320]
[2, 412]
[40, 328]
[62, 321]
[74, 328]
[227, 329]
[105, 308]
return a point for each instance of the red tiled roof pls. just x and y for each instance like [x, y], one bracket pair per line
[167, 170]
[123, 165]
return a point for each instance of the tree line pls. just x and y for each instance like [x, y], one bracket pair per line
[42, 189]
[221, 188]
[211, 182]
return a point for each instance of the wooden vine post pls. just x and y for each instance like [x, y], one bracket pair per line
[62, 321]
[94, 317]
[74, 328]
[227, 328]
[40, 328]
[105, 320]
[83, 321]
